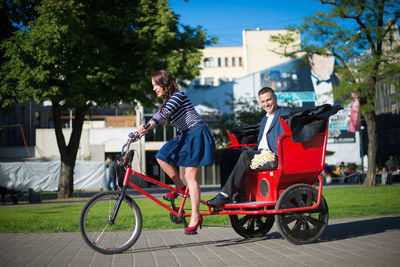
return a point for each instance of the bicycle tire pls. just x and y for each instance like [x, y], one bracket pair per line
[250, 226]
[103, 236]
[301, 227]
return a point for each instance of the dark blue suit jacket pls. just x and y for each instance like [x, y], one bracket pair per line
[274, 131]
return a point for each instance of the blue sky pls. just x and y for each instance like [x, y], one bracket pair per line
[227, 19]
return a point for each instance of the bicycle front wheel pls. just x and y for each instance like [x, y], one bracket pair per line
[101, 234]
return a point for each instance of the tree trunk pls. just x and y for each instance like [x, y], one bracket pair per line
[66, 182]
[67, 152]
[370, 179]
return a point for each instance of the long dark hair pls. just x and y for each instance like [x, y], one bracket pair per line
[164, 79]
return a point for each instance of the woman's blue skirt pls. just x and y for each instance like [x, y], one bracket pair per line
[193, 148]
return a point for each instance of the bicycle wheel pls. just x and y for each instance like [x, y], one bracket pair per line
[250, 226]
[301, 227]
[106, 237]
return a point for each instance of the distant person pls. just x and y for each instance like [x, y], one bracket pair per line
[112, 173]
[384, 175]
[389, 164]
[342, 172]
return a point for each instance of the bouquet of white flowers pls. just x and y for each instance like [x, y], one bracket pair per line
[262, 158]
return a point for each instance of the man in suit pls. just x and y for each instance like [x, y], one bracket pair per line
[320, 78]
[270, 130]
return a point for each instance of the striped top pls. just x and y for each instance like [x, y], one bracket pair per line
[180, 111]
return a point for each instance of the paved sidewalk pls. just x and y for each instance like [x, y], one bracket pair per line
[348, 242]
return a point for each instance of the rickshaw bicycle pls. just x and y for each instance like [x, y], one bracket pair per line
[291, 195]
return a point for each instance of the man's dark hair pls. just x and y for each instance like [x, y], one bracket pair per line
[265, 90]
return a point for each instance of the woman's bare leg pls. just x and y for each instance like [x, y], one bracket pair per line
[172, 172]
[191, 176]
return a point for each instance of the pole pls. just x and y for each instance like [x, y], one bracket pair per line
[361, 152]
[70, 118]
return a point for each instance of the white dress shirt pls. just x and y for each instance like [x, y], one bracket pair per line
[263, 142]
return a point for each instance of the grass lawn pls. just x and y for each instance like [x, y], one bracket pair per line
[343, 202]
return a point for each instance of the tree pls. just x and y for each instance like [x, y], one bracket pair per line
[17, 13]
[355, 33]
[98, 52]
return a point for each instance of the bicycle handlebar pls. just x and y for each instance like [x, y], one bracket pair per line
[133, 137]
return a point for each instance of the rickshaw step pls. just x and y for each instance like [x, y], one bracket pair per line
[249, 204]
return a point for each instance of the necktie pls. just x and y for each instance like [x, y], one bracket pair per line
[321, 81]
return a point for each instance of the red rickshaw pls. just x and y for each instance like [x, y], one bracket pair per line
[291, 195]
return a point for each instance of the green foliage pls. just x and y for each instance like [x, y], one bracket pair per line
[84, 52]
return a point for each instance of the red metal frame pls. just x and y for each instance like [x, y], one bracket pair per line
[298, 163]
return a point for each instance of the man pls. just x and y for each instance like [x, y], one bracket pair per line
[270, 131]
[112, 173]
[320, 78]
[390, 167]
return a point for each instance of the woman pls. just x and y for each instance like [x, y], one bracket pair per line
[194, 147]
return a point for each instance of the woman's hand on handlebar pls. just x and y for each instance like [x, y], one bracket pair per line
[143, 130]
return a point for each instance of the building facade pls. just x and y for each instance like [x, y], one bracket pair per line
[225, 64]
[387, 103]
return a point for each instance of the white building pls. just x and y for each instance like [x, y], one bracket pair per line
[225, 64]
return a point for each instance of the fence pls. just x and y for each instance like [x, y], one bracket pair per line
[44, 176]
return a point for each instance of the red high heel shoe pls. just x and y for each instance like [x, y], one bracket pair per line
[174, 194]
[192, 230]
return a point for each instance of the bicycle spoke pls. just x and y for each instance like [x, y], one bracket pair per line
[101, 233]
[316, 223]
[243, 220]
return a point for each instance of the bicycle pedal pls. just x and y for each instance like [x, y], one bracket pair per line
[167, 198]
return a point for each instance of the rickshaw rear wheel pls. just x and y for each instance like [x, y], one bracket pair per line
[250, 226]
[301, 227]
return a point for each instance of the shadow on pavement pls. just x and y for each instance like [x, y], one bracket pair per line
[360, 228]
[333, 232]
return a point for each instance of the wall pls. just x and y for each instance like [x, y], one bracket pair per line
[227, 73]
[93, 141]
[258, 50]
[16, 152]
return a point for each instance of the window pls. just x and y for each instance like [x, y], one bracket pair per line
[23, 113]
[233, 62]
[394, 107]
[208, 62]
[196, 82]
[226, 62]
[240, 61]
[223, 80]
[209, 81]
[38, 118]
[219, 62]
[392, 89]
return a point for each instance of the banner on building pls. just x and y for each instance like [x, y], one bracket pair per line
[305, 84]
